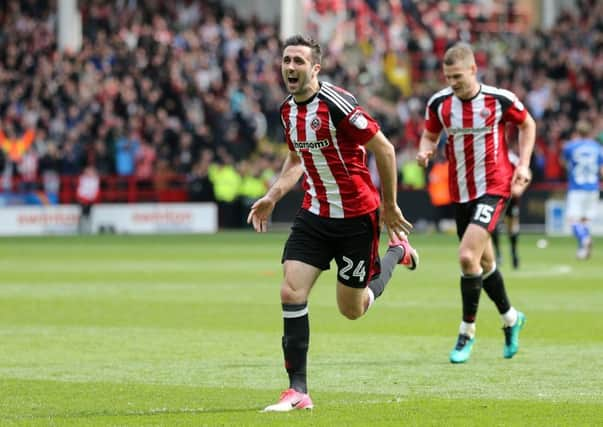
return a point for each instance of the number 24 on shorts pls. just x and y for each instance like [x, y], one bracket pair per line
[359, 271]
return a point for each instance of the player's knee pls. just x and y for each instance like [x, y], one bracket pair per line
[350, 309]
[290, 294]
[351, 312]
[468, 260]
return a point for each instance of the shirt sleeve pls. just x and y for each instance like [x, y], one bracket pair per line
[359, 126]
[432, 121]
[516, 113]
[286, 132]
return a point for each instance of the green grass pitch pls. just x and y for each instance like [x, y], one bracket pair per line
[185, 330]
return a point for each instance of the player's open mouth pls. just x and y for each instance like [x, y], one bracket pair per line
[292, 79]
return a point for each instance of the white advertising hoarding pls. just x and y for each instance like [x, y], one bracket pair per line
[153, 218]
[38, 220]
[149, 218]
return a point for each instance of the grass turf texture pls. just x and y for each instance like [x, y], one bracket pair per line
[185, 330]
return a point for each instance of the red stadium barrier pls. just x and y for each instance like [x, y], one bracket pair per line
[116, 189]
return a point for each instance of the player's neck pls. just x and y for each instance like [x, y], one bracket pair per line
[472, 93]
[308, 93]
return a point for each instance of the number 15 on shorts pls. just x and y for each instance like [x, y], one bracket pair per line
[483, 213]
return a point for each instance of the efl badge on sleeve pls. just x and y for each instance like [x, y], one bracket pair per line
[358, 120]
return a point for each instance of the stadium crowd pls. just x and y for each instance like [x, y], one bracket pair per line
[189, 88]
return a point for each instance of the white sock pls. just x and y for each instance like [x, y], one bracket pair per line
[491, 272]
[371, 298]
[510, 317]
[467, 329]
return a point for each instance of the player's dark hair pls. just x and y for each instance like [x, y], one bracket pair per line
[301, 40]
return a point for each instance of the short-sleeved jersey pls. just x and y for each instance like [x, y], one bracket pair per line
[475, 147]
[584, 158]
[328, 133]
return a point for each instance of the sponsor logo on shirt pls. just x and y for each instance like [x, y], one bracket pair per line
[311, 145]
[469, 131]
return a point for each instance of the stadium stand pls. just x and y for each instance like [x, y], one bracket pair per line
[158, 88]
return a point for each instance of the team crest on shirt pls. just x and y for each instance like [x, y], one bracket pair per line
[315, 124]
[485, 113]
[358, 120]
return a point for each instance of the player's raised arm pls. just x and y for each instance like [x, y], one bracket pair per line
[262, 208]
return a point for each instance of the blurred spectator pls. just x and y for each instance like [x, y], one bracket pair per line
[412, 176]
[186, 153]
[539, 97]
[252, 186]
[438, 190]
[125, 154]
[28, 171]
[16, 146]
[71, 158]
[50, 169]
[104, 162]
[88, 191]
[226, 181]
[145, 158]
[200, 188]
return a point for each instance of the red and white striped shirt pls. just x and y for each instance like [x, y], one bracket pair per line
[476, 148]
[328, 133]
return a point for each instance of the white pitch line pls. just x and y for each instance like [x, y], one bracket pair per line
[549, 271]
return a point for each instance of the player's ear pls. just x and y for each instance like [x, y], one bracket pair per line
[316, 69]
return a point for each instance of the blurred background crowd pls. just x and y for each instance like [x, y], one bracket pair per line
[180, 100]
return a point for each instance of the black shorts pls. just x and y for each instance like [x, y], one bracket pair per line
[484, 211]
[352, 242]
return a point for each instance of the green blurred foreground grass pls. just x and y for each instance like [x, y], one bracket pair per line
[167, 330]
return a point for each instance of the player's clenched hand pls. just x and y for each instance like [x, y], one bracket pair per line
[260, 213]
[395, 222]
[423, 157]
[520, 181]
